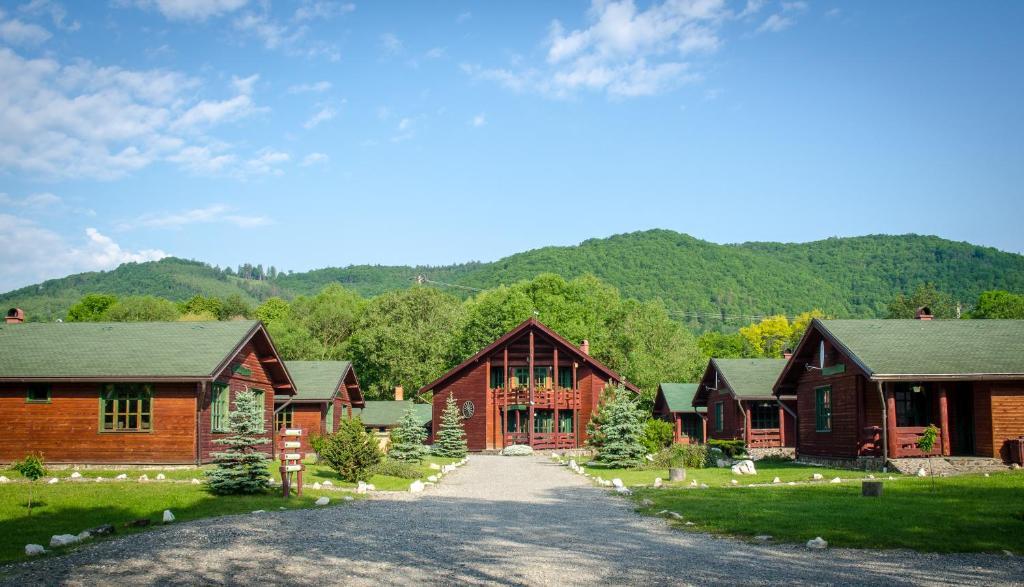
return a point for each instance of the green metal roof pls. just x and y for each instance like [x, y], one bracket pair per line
[118, 349]
[316, 380]
[387, 413]
[679, 396]
[750, 378]
[932, 347]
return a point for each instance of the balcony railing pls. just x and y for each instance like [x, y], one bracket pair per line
[765, 438]
[543, 440]
[906, 442]
[562, 398]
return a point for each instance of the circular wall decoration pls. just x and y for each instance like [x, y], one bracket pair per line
[468, 409]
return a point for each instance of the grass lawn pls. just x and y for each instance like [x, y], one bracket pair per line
[766, 472]
[317, 472]
[961, 514]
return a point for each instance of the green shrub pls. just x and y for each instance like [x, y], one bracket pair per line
[658, 434]
[32, 469]
[621, 431]
[731, 448]
[242, 467]
[351, 451]
[392, 468]
[407, 439]
[687, 456]
[451, 435]
[517, 450]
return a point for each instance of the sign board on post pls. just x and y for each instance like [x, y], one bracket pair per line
[290, 441]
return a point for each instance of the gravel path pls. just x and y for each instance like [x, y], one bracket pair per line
[498, 520]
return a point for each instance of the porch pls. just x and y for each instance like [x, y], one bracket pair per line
[910, 407]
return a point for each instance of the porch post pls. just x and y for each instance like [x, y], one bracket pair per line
[679, 427]
[575, 407]
[944, 420]
[531, 388]
[890, 423]
[504, 386]
[782, 426]
[746, 425]
[491, 400]
[704, 429]
[554, 393]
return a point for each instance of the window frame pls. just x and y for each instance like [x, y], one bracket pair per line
[220, 423]
[823, 408]
[758, 412]
[329, 418]
[263, 407]
[497, 378]
[136, 390]
[28, 393]
[719, 416]
[285, 416]
[567, 371]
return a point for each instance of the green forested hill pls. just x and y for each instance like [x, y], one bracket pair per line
[845, 277]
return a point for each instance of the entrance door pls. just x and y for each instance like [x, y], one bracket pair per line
[961, 420]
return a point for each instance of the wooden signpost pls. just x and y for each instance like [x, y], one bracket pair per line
[290, 442]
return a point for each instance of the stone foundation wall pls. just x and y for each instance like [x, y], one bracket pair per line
[757, 454]
[858, 464]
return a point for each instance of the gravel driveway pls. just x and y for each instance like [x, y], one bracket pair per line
[498, 520]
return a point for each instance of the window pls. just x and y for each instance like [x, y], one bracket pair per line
[126, 407]
[543, 421]
[542, 377]
[823, 409]
[764, 415]
[283, 419]
[911, 404]
[263, 408]
[719, 417]
[516, 419]
[497, 378]
[692, 428]
[565, 377]
[565, 422]
[38, 393]
[520, 377]
[220, 403]
[329, 424]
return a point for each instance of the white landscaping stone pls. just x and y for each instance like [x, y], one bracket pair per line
[100, 479]
[371, 487]
[623, 490]
[348, 498]
[703, 486]
[4, 479]
[76, 475]
[168, 517]
[921, 472]
[143, 477]
[747, 467]
[58, 540]
[986, 474]
[317, 485]
[817, 544]
[416, 486]
[763, 537]
[736, 470]
[776, 480]
[836, 480]
[329, 484]
[53, 480]
[657, 482]
[871, 476]
[817, 477]
[791, 483]
[734, 482]
[84, 535]
[607, 483]
[690, 524]
[435, 466]
[618, 483]
[323, 500]
[650, 458]
[160, 477]
[196, 481]
[676, 515]
[259, 511]
[121, 477]
[34, 549]
[432, 478]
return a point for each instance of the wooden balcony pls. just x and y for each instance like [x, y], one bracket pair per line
[561, 398]
[543, 440]
[764, 438]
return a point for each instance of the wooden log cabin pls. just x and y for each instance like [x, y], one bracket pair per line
[738, 396]
[674, 403]
[325, 392]
[130, 393]
[867, 389]
[531, 386]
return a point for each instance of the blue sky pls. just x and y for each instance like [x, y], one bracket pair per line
[313, 133]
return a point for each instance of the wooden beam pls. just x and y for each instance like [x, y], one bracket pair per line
[890, 424]
[504, 384]
[532, 389]
[782, 426]
[489, 394]
[746, 425]
[554, 390]
[577, 407]
[679, 427]
[944, 420]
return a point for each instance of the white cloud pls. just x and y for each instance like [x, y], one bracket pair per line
[775, 23]
[290, 38]
[391, 44]
[197, 10]
[315, 88]
[266, 162]
[479, 120]
[30, 253]
[323, 115]
[752, 7]
[16, 32]
[434, 53]
[213, 214]
[405, 124]
[314, 159]
[795, 6]
[80, 120]
[623, 51]
[463, 17]
[58, 14]
[321, 9]
[33, 201]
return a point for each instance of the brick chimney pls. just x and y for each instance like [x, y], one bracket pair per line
[15, 316]
[923, 313]
[585, 347]
[787, 354]
[399, 393]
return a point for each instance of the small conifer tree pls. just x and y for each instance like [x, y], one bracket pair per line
[351, 451]
[32, 469]
[407, 438]
[621, 431]
[451, 436]
[242, 468]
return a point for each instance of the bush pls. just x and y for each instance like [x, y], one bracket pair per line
[407, 439]
[658, 434]
[392, 468]
[687, 456]
[621, 430]
[451, 436]
[731, 448]
[517, 450]
[351, 451]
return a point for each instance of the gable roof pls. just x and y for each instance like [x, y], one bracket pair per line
[926, 349]
[516, 332]
[746, 379]
[679, 397]
[378, 414]
[317, 381]
[126, 350]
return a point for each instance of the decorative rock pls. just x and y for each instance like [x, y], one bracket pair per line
[703, 486]
[432, 478]
[986, 474]
[100, 479]
[618, 483]
[160, 477]
[104, 530]
[371, 487]
[59, 540]
[623, 490]
[817, 477]
[259, 511]
[143, 477]
[763, 537]
[4, 479]
[121, 477]
[871, 476]
[791, 483]
[690, 524]
[435, 466]
[676, 515]
[646, 503]
[416, 486]
[650, 458]
[196, 481]
[745, 467]
[76, 475]
[168, 517]
[921, 472]
[817, 544]
[34, 549]
[891, 478]
[348, 498]
[693, 483]
[836, 480]
[657, 482]
[677, 474]
[361, 488]
[317, 485]
[607, 483]
[734, 482]
[84, 535]
[329, 484]
[776, 480]
[323, 500]
[53, 480]
[1014, 466]
[721, 464]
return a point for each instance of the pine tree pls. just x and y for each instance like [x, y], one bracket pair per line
[622, 431]
[451, 437]
[407, 439]
[351, 451]
[242, 468]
